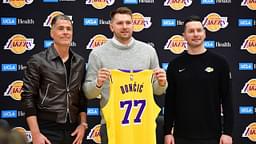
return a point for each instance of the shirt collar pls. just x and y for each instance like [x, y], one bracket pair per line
[122, 45]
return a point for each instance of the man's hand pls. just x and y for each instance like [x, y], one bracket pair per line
[160, 76]
[225, 139]
[103, 75]
[40, 139]
[79, 132]
[169, 139]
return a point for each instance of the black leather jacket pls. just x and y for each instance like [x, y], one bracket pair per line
[46, 91]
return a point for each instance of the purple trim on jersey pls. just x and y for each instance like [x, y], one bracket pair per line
[125, 70]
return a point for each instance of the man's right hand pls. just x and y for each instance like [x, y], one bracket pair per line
[103, 75]
[40, 139]
[169, 139]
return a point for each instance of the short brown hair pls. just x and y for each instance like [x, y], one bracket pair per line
[120, 10]
[60, 17]
[190, 19]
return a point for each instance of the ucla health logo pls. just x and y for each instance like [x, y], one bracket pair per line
[250, 88]
[95, 134]
[9, 67]
[12, 67]
[214, 22]
[18, 44]
[245, 22]
[18, 3]
[205, 2]
[250, 132]
[131, 2]
[100, 4]
[12, 21]
[96, 41]
[246, 66]
[246, 110]
[209, 44]
[50, 1]
[214, 44]
[8, 21]
[93, 111]
[9, 114]
[48, 21]
[140, 22]
[14, 90]
[138, 1]
[91, 21]
[177, 4]
[251, 4]
[176, 44]
[213, 2]
[168, 22]
[249, 44]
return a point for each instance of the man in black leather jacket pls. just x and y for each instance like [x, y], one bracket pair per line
[52, 97]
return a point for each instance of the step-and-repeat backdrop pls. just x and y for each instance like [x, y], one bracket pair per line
[230, 25]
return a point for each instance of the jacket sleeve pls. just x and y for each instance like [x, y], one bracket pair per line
[30, 86]
[226, 97]
[169, 106]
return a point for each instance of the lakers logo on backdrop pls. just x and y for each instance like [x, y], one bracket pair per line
[14, 90]
[96, 41]
[177, 4]
[18, 44]
[23, 132]
[214, 22]
[18, 3]
[176, 44]
[250, 88]
[48, 21]
[100, 4]
[140, 22]
[251, 4]
[249, 44]
[95, 134]
[250, 132]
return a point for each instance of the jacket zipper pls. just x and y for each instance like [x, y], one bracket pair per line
[45, 95]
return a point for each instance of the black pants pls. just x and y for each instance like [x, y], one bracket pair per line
[57, 133]
[193, 141]
[103, 134]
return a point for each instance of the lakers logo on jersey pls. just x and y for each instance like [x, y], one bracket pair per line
[131, 110]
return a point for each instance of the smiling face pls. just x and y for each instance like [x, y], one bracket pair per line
[62, 32]
[194, 34]
[122, 27]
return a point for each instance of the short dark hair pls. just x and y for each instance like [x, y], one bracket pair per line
[190, 19]
[120, 10]
[60, 17]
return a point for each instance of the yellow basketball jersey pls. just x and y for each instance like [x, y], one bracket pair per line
[131, 111]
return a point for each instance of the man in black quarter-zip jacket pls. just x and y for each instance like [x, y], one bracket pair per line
[52, 96]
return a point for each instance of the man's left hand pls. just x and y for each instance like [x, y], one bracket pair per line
[160, 76]
[225, 139]
[79, 132]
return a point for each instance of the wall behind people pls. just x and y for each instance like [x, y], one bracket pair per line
[24, 30]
